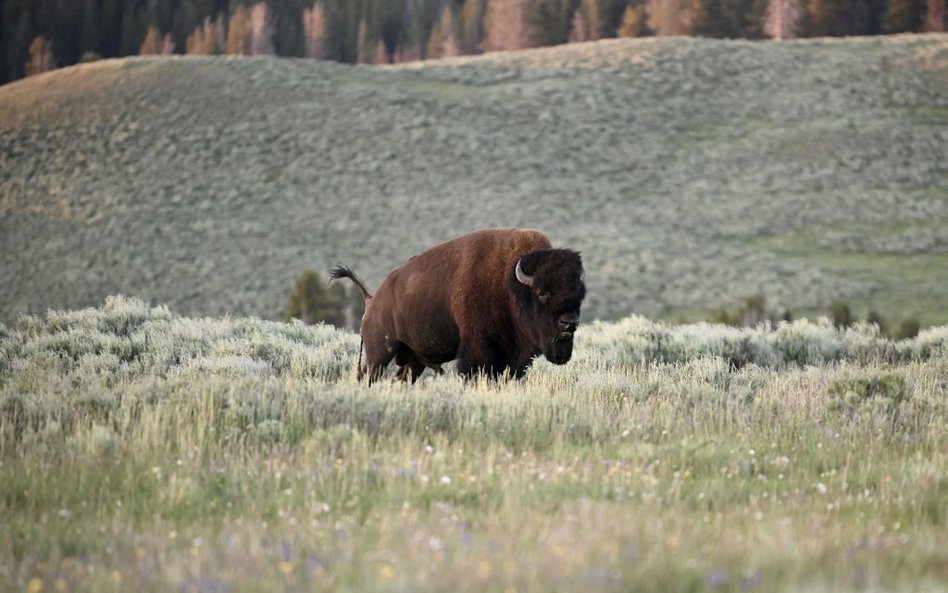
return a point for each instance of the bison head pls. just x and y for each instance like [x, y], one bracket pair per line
[549, 287]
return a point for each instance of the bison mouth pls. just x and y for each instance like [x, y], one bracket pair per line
[560, 349]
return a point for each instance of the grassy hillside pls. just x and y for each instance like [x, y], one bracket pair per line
[690, 173]
[143, 451]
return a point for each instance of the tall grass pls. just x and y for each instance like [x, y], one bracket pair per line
[143, 451]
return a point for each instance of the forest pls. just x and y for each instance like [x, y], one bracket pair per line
[40, 35]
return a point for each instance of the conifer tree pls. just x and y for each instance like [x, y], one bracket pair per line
[288, 37]
[260, 31]
[311, 301]
[41, 57]
[549, 22]
[504, 25]
[443, 43]
[669, 17]
[905, 16]
[89, 31]
[843, 17]
[472, 27]
[17, 43]
[314, 30]
[132, 32]
[782, 18]
[591, 16]
[610, 15]
[237, 32]
[577, 32]
[203, 41]
[110, 27]
[152, 44]
[634, 22]
[935, 17]
[364, 50]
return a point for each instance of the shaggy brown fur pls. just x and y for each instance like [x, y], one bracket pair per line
[463, 300]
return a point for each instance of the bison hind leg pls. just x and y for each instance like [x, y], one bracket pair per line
[376, 360]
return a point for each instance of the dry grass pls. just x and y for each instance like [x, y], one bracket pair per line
[144, 451]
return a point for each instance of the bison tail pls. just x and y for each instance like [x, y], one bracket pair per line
[341, 272]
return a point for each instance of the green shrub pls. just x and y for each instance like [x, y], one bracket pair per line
[852, 390]
[908, 329]
[841, 314]
[312, 302]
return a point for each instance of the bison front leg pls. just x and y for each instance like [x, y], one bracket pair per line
[480, 359]
[410, 370]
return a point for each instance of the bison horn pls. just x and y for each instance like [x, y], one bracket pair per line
[522, 276]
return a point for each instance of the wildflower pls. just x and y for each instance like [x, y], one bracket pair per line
[484, 569]
[116, 577]
[286, 567]
[386, 571]
[716, 578]
[35, 586]
[509, 568]
[446, 480]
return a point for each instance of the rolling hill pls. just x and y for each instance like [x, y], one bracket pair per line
[690, 173]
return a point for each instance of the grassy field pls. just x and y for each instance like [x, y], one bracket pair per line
[676, 166]
[143, 451]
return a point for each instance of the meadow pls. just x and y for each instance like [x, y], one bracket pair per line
[141, 450]
[691, 174]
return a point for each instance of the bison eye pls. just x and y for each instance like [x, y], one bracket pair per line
[543, 297]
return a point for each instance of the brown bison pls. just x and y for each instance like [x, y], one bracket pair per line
[493, 299]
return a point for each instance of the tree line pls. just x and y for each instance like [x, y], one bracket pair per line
[39, 35]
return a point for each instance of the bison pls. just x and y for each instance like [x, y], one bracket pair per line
[493, 299]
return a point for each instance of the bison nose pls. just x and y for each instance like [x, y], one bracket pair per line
[568, 323]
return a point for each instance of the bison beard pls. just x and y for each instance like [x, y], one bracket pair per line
[493, 299]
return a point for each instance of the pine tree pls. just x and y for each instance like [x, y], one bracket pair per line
[905, 16]
[577, 32]
[288, 37]
[152, 44]
[364, 51]
[132, 32]
[312, 302]
[203, 41]
[727, 18]
[610, 15]
[669, 17]
[390, 27]
[935, 17]
[89, 31]
[782, 18]
[41, 56]
[314, 26]
[110, 27]
[443, 43]
[472, 27]
[634, 22]
[424, 16]
[593, 22]
[505, 25]
[260, 31]
[17, 44]
[842, 17]
[549, 22]
[237, 32]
